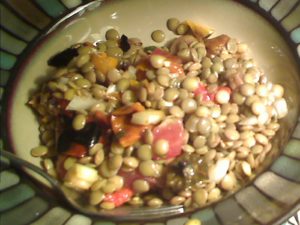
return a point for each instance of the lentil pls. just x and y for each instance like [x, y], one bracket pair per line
[200, 197]
[181, 29]
[112, 34]
[96, 197]
[79, 122]
[158, 36]
[155, 202]
[148, 168]
[161, 147]
[190, 83]
[172, 24]
[39, 151]
[141, 186]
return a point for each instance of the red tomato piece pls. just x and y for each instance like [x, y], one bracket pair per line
[225, 88]
[175, 62]
[202, 90]
[209, 96]
[171, 130]
[119, 197]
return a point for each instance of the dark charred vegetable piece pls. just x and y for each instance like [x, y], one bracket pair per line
[125, 46]
[63, 58]
[88, 136]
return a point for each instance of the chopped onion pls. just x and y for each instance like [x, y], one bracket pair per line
[82, 103]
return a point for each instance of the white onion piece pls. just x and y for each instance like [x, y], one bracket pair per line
[281, 108]
[111, 88]
[82, 103]
[219, 170]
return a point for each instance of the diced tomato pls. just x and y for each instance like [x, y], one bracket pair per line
[202, 90]
[209, 96]
[175, 67]
[225, 88]
[119, 197]
[77, 150]
[171, 130]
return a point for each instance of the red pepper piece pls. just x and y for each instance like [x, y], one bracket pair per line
[77, 150]
[119, 197]
[102, 118]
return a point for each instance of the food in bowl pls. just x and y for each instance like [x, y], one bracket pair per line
[182, 124]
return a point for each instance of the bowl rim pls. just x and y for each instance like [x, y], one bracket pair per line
[64, 19]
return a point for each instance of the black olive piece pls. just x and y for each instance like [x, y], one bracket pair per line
[63, 58]
[124, 45]
[88, 136]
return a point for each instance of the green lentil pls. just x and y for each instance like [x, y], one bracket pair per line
[115, 162]
[172, 24]
[111, 44]
[182, 29]
[148, 168]
[79, 122]
[140, 186]
[114, 52]
[107, 205]
[158, 36]
[39, 151]
[96, 197]
[144, 152]
[161, 147]
[131, 162]
[155, 202]
[112, 34]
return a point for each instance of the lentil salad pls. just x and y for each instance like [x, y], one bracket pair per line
[182, 124]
